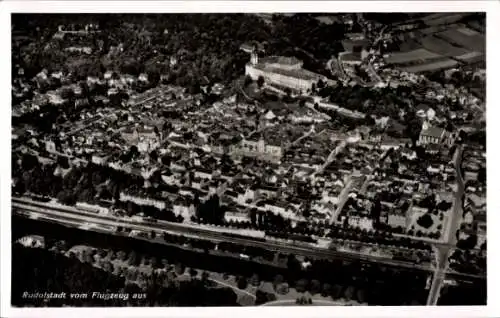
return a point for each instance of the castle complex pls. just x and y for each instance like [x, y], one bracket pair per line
[282, 71]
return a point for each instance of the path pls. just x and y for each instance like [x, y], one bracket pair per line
[224, 284]
[315, 302]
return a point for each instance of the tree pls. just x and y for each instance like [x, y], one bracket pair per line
[87, 257]
[154, 263]
[282, 289]
[483, 246]
[260, 81]
[481, 175]
[241, 282]
[444, 206]
[469, 243]
[67, 93]
[107, 266]
[205, 276]
[153, 155]
[28, 162]
[278, 279]
[336, 291]
[315, 286]
[360, 295]
[248, 80]
[425, 221]
[102, 253]
[326, 290]
[193, 272]
[301, 285]
[349, 292]
[320, 84]
[254, 280]
[261, 297]
[369, 120]
[133, 259]
[179, 268]
[194, 88]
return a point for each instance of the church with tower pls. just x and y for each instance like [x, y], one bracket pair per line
[435, 135]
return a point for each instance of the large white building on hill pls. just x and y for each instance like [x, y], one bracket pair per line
[282, 71]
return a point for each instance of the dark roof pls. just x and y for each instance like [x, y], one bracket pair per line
[422, 107]
[246, 46]
[351, 57]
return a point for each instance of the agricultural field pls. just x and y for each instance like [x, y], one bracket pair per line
[445, 41]
[418, 54]
[475, 25]
[433, 66]
[464, 37]
[442, 47]
[443, 18]
[471, 57]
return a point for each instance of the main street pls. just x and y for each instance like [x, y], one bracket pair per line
[443, 251]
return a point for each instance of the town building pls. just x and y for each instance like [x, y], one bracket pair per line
[32, 241]
[236, 215]
[145, 138]
[361, 222]
[258, 148]
[124, 197]
[424, 111]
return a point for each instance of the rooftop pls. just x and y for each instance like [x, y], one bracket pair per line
[354, 57]
[284, 60]
[296, 73]
[433, 132]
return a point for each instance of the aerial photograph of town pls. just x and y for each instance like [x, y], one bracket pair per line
[248, 159]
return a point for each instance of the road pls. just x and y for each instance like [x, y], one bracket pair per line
[344, 195]
[72, 215]
[443, 250]
[332, 156]
[334, 67]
